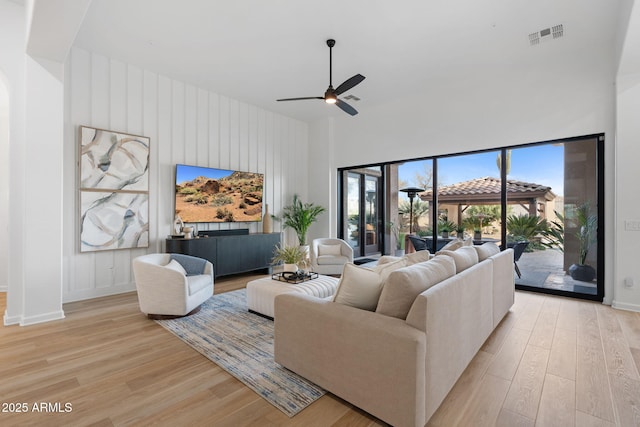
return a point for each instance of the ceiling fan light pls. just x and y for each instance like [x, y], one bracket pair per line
[330, 97]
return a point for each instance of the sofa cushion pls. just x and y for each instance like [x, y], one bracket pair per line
[451, 246]
[360, 287]
[385, 269]
[403, 285]
[176, 266]
[416, 257]
[464, 257]
[333, 250]
[385, 259]
[413, 258]
[486, 250]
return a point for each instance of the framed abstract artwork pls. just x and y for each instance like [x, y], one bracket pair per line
[114, 190]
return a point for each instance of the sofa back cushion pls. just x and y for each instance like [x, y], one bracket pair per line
[464, 257]
[360, 287]
[486, 250]
[405, 284]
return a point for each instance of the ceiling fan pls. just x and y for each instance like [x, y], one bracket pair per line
[331, 95]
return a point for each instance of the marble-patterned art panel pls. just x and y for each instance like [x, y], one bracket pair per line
[113, 220]
[113, 161]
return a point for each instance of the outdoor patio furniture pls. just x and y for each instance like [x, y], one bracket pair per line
[518, 249]
[419, 244]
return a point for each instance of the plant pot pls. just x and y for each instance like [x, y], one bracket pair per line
[289, 268]
[399, 252]
[445, 234]
[477, 235]
[582, 272]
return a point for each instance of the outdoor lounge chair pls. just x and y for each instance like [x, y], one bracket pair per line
[419, 244]
[518, 249]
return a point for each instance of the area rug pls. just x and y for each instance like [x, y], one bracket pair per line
[242, 344]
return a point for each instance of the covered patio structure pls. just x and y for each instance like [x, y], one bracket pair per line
[534, 199]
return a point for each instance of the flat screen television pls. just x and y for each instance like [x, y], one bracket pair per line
[218, 195]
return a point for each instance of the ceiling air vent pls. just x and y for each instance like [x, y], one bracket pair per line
[546, 34]
[352, 98]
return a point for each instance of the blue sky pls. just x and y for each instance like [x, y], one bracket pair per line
[188, 173]
[542, 164]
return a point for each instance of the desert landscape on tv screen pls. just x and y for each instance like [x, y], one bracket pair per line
[218, 195]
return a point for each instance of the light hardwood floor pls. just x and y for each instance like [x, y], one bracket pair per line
[551, 362]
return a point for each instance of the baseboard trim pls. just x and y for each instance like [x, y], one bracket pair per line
[4, 288]
[11, 320]
[85, 294]
[625, 306]
[41, 318]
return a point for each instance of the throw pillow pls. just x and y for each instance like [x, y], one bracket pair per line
[385, 269]
[192, 265]
[404, 285]
[416, 257]
[451, 246]
[468, 241]
[385, 259]
[486, 250]
[464, 257]
[360, 287]
[175, 265]
[333, 250]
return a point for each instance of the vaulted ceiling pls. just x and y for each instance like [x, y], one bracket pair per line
[259, 50]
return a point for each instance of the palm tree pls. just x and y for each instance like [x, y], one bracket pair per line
[420, 209]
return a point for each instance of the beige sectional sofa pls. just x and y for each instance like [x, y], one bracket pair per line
[399, 369]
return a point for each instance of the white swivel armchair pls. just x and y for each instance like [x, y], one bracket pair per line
[172, 284]
[328, 256]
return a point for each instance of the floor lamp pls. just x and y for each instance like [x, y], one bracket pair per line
[411, 192]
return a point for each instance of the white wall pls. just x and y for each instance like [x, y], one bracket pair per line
[627, 202]
[187, 125]
[42, 171]
[35, 183]
[627, 176]
[12, 64]
[4, 184]
[478, 113]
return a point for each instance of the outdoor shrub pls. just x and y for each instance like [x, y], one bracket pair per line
[527, 226]
[188, 190]
[221, 200]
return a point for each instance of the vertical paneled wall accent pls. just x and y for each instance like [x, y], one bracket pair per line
[186, 124]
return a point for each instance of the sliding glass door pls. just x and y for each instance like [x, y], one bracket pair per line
[553, 220]
[362, 228]
[543, 200]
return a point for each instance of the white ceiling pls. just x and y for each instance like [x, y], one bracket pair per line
[259, 50]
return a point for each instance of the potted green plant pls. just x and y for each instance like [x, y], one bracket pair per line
[445, 227]
[290, 256]
[477, 234]
[586, 235]
[460, 232]
[299, 216]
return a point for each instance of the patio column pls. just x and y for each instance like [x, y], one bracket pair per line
[533, 207]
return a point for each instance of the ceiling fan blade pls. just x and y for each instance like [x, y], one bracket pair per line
[349, 83]
[299, 99]
[346, 107]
